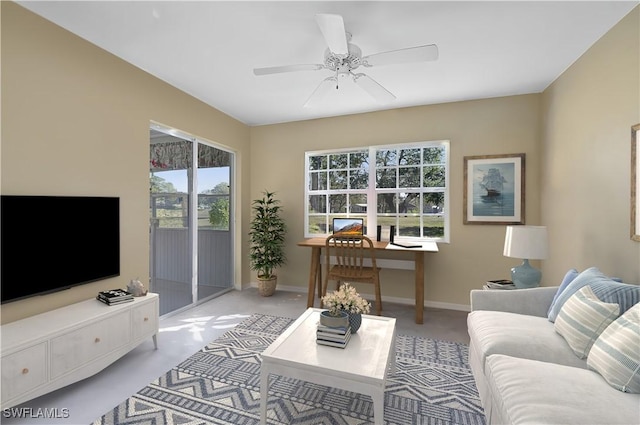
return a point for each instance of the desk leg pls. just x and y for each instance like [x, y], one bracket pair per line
[319, 280]
[313, 275]
[419, 284]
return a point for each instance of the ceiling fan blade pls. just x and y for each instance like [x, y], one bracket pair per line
[375, 90]
[412, 54]
[286, 68]
[332, 28]
[321, 91]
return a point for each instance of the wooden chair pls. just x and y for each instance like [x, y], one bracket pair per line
[350, 254]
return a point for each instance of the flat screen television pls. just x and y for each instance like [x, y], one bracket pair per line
[51, 243]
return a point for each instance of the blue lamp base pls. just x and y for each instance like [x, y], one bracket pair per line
[525, 276]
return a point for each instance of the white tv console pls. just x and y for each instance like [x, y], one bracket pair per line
[51, 350]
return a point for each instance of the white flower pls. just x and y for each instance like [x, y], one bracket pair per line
[347, 299]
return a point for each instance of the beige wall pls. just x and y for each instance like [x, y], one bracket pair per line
[491, 126]
[586, 134]
[576, 136]
[75, 121]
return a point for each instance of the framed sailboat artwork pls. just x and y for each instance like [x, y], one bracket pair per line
[494, 189]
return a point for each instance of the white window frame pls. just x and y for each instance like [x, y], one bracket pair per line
[371, 191]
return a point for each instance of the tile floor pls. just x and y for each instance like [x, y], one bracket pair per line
[183, 334]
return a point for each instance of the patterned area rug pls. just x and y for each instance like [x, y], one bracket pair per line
[220, 384]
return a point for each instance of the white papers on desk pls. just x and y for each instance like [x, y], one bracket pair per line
[424, 246]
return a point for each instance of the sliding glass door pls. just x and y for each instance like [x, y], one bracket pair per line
[190, 227]
[214, 224]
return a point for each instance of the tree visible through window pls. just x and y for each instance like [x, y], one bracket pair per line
[399, 185]
[219, 206]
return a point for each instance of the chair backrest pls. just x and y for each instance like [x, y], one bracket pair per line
[350, 253]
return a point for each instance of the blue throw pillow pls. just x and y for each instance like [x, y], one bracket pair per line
[568, 278]
[605, 288]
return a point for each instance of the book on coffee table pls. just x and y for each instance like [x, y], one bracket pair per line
[340, 330]
[333, 336]
[334, 342]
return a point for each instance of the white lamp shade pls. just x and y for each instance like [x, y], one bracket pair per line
[526, 242]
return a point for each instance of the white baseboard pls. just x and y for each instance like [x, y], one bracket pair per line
[371, 297]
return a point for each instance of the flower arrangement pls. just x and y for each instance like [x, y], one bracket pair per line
[346, 299]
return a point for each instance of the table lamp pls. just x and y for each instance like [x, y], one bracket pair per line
[527, 243]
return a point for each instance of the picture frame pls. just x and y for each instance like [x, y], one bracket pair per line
[635, 182]
[494, 189]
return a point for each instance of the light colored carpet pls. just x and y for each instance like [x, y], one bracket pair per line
[220, 384]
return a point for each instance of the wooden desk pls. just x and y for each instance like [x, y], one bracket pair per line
[315, 271]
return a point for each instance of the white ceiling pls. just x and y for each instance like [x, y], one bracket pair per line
[209, 48]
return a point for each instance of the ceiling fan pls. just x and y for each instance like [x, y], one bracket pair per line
[343, 58]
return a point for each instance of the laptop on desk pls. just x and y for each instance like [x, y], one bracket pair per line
[348, 227]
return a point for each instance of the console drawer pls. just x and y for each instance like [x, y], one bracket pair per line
[145, 320]
[78, 347]
[23, 371]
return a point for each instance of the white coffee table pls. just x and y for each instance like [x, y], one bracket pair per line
[362, 366]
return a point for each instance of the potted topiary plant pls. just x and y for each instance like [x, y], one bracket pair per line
[266, 235]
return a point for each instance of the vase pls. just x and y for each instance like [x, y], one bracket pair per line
[355, 320]
[339, 320]
[267, 287]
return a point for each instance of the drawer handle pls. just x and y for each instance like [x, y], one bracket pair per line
[97, 340]
[146, 319]
[25, 371]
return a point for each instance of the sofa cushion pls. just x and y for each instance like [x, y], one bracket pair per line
[616, 353]
[568, 278]
[518, 335]
[533, 392]
[605, 288]
[583, 318]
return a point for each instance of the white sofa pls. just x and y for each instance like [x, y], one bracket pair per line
[526, 373]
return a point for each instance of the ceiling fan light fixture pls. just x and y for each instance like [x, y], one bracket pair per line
[352, 60]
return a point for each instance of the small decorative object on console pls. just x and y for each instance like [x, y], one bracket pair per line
[136, 288]
[114, 296]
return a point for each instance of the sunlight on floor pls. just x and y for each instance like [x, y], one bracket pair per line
[196, 326]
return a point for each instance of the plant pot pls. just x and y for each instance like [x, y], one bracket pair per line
[267, 287]
[355, 320]
[339, 321]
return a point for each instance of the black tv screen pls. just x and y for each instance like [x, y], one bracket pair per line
[51, 243]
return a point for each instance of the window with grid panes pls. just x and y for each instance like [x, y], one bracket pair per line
[404, 185]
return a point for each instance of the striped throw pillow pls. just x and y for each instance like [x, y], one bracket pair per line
[583, 318]
[616, 353]
[607, 289]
